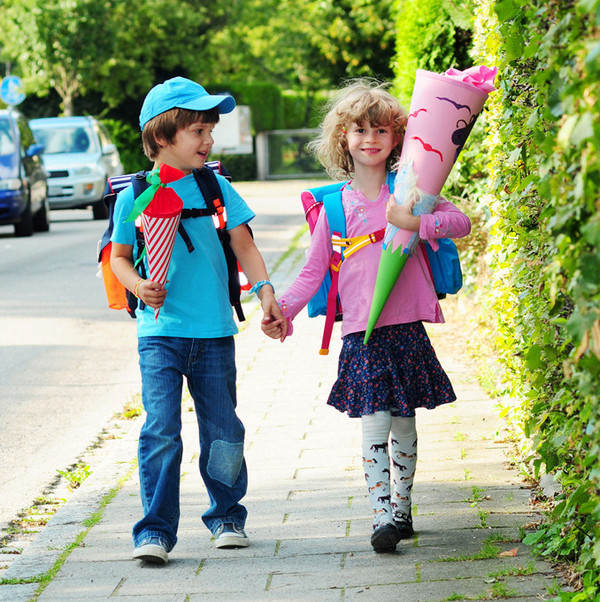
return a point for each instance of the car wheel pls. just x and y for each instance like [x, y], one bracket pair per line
[41, 220]
[100, 210]
[25, 226]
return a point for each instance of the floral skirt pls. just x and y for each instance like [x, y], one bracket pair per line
[397, 371]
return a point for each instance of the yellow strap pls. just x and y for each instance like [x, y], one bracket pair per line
[351, 245]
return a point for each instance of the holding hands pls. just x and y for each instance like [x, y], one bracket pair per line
[275, 328]
[273, 324]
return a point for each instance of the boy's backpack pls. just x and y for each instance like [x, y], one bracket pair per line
[118, 296]
[444, 264]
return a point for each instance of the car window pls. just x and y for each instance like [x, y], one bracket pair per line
[81, 141]
[7, 143]
[103, 134]
[67, 140]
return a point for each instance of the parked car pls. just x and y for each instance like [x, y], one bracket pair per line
[79, 156]
[23, 187]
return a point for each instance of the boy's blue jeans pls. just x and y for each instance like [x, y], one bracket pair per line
[209, 366]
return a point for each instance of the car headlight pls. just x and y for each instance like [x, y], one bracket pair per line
[82, 170]
[11, 184]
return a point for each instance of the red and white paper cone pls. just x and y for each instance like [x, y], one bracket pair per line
[160, 221]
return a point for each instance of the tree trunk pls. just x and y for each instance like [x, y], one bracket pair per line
[67, 104]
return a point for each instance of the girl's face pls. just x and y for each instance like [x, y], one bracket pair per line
[370, 146]
[190, 149]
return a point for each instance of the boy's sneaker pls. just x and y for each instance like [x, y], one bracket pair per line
[384, 538]
[152, 551]
[229, 535]
[404, 525]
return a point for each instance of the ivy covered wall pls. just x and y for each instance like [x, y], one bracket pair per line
[431, 34]
[533, 169]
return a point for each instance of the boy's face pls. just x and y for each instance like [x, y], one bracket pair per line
[190, 148]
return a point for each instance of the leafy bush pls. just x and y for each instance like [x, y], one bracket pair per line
[263, 98]
[129, 143]
[431, 34]
[302, 110]
[541, 154]
[241, 167]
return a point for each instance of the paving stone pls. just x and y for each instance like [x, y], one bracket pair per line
[310, 519]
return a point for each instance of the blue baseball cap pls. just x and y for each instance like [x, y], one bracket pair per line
[181, 93]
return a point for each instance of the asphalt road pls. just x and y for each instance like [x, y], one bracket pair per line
[67, 362]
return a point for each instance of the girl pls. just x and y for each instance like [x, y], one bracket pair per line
[382, 382]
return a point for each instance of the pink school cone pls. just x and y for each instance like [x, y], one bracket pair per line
[443, 110]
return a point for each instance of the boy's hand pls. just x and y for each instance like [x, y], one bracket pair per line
[401, 216]
[152, 293]
[273, 328]
[273, 324]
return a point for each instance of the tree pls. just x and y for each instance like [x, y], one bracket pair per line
[59, 44]
[157, 39]
[355, 37]
[117, 48]
[306, 44]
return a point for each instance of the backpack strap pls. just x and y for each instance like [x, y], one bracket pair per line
[349, 246]
[138, 185]
[332, 204]
[215, 206]
[312, 199]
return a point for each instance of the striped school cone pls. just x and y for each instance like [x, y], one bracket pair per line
[160, 221]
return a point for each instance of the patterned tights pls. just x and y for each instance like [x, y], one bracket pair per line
[381, 429]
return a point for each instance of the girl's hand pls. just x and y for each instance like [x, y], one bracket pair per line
[152, 293]
[401, 216]
[274, 328]
[273, 324]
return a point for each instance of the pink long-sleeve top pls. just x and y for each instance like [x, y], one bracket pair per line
[413, 297]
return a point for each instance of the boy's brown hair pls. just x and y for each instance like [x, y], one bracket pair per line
[166, 125]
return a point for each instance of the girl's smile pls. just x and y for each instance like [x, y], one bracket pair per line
[370, 145]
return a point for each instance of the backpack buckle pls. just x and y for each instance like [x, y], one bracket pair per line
[220, 215]
[336, 262]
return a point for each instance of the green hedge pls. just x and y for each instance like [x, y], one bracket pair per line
[541, 294]
[431, 34]
[241, 167]
[129, 143]
[303, 110]
[263, 98]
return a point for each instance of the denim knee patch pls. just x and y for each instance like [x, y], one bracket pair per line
[225, 461]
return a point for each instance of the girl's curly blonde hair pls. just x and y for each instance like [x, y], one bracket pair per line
[362, 100]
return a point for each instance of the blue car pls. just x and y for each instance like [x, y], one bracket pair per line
[23, 186]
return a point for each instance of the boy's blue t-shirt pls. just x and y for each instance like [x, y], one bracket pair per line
[197, 302]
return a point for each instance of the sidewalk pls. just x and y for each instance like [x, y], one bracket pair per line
[309, 516]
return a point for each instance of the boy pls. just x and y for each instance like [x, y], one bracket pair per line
[193, 335]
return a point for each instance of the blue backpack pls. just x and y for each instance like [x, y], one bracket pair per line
[443, 263]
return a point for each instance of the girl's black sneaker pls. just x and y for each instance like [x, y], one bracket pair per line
[384, 538]
[404, 525]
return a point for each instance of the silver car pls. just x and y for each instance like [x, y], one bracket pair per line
[79, 156]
